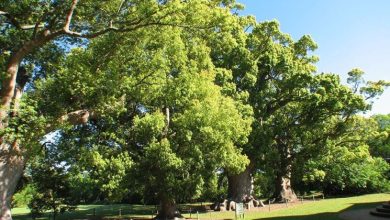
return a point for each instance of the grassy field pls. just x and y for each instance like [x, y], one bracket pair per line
[327, 209]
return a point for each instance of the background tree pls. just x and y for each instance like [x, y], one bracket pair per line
[52, 187]
[346, 166]
[293, 106]
[380, 143]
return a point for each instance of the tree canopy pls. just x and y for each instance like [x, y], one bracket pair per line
[163, 99]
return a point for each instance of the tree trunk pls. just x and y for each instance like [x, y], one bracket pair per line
[9, 82]
[11, 157]
[8, 88]
[168, 209]
[283, 189]
[240, 185]
[11, 169]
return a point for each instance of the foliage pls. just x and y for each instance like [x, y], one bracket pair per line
[173, 92]
[159, 123]
[380, 143]
[263, 185]
[52, 189]
[24, 196]
[293, 106]
[347, 166]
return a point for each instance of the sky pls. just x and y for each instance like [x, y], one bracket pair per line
[349, 33]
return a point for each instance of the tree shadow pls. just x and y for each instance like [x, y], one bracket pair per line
[97, 212]
[325, 215]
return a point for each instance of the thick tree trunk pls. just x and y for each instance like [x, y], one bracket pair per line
[168, 209]
[11, 169]
[8, 88]
[11, 158]
[240, 185]
[283, 189]
[9, 82]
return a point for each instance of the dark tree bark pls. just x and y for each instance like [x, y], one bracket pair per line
[283, 189]
[240, 185]
[168, 209]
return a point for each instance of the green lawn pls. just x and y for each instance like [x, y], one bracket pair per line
[323, 209]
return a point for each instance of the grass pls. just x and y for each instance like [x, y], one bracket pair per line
[328, 209]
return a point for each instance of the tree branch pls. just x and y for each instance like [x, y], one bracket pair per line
[11, 18]
[32, 26]
[68, 18]
[15, 23]
[77, 117]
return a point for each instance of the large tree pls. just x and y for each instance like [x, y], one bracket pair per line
[158, 120]
[292, 104]
[34, 37]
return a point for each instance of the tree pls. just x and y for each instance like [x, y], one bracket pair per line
[292, 105]
[157, 107]
[34, 30]
[52, 189]
[380, 143]
[273, 71]
[346, 166]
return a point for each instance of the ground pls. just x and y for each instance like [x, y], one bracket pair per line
[321, 209]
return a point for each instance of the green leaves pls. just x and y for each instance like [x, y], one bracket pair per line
[157, 118]
[111, 173]
[149, 127]
[346, 164]
[370, 90]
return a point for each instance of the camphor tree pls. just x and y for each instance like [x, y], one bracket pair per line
[380, 144]
[35, 35]
[311, 124]
[345, 165]
[202, 135]
[292, 105]
[273, 71]
[159, 120]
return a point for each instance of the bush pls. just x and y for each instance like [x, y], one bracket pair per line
[23, 197]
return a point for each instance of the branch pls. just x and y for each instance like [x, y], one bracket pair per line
[36, 27]
[135, 26]
[348, 141]
[15, 23]
[77, 117]
[11, 18]
[68, 18]
[91, 35]
[120, 6]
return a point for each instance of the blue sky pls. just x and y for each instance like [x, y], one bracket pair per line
[349, 33]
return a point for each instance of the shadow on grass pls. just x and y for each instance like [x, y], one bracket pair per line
[96, 212]
[325, 215]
